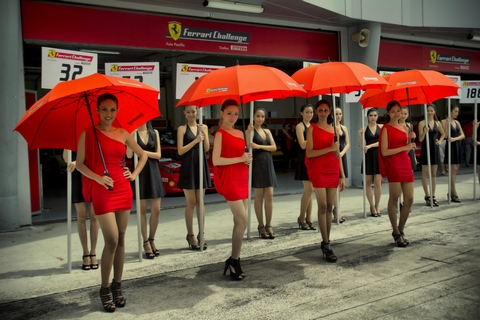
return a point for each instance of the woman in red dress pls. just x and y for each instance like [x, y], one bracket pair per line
[394, 145]
[231, 178]
[324, 169]
[112, 207]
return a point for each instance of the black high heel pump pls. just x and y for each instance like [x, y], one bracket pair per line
[234, 264]
[328, 253]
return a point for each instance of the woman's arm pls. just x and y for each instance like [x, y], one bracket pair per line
[71, 165]
[129, 151]
[218, 160]
[181, 149]
[142, 155]
[206, 140]
[442, 133]
[347, 141]
[360, 133]
[390, 152]
[422, 130]
[299, 130]
[462, 135]
[271, 147]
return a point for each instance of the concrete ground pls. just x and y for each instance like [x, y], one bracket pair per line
[436, 277]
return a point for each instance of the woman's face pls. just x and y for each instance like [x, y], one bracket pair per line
[190, 113]
[323, 111]
[372, 117]
[454, 113]
[338, 115]
[230, 115]
[107, 111]
[430, 112]
[395, 113]
[307, 114]
[404, 114]
[259, 117]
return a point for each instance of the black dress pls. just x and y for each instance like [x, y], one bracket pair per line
[411, 153]
[77, 194]
[343, 141]
[263, 171]
[456, 156]
[189, 171]
[151, 185]
[371, 157]
[301, 170]
[434, 148]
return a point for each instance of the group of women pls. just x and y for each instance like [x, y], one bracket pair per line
[321, 167]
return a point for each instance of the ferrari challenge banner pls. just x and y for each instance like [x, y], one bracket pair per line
[63, 65]
[188, 73]
[145, 72]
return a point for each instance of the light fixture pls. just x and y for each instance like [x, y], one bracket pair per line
[233, 5]
[99, 51]
[473, 37]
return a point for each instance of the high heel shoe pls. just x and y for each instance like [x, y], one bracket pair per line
[88, 266]
[234, 264]
[148, 255]
[262, 235]
[107, 299]
[435, 203]
[93, 266]
[396, 238]
[192, 246]
[118, 298]
[455, 199]
[155, 251]
[427, 201]
[328, 254]
[310, 225]
[403, 236]
[302, 225]
[270, 233]
[205, 246]
[373, 214]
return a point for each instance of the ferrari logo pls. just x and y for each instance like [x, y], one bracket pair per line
[114, 68]
[185, 68]
[51, 53]
[433, 56]
[175, 29]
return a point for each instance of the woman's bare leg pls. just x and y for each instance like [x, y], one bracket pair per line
[240, 222]
[378, 191]
[121, 218]
[154, 220]
[306, 202]
[108, 224]
[258, 205]
[268, 196]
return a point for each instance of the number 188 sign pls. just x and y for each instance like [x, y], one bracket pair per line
[470, 91]
[63, 65]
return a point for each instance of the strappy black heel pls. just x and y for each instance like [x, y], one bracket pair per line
[310, 225]
[205, 246]
[86, 267]
[262, 235]
[148, 255]
[435, 203]
[234, 264]
[118, 298]
[401, 243]
[107, 299]
[403, 236]
[155, 251]
[271, 234]
[93, 266]
[192, 246]
[328, 253]
[303, 225]
[427, 201]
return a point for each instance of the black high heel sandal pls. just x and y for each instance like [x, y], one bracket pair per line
[107, 299]
[86, 267]
[401, 243]
[205, 246]
[260, 234]
[118, 298]
[149, 255]
[155, 251]
[271, 234]
[192, 246]
[403, 236]
[328, 254]
[427, 201]
[302, 225]
[310, 225]
[93, 266]
[455, 199]
[435, 203]
[234, 264]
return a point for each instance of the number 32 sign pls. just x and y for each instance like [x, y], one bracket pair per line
[63, 65]
[470, 91]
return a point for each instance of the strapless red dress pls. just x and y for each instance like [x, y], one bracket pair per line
[397, 167]
[231, 181]
[104, 200]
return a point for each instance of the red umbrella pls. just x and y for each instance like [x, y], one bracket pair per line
[57, 119]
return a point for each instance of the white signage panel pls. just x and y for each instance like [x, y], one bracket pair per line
[470, 91]
[145, 72]
[62, 65]
[457, 80]
[188, 73]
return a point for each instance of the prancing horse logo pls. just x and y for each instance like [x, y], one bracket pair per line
[433, 56]
[175, 29]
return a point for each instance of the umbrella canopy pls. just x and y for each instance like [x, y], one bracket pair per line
[57, 119]
[338, 77]
[242, 83]
[411, 87]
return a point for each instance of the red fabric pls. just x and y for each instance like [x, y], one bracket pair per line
[231, 181]
[324, 170]
[397, 167]
[105, 201]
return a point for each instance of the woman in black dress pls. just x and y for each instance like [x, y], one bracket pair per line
[189, 137]
[344, 139]
[433, 127]
[454, 141]
[304, 220]
[372, 170]
[263, 172]
[151, 186]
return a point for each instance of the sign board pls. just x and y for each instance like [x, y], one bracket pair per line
[188, 73]
[145, 72]
[470, 91]
[457, 80]
[62, 65]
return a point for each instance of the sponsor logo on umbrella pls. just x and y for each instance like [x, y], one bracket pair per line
[370, 79]
[174, 29]
[210, 90]
[291, 84]
[399, 84]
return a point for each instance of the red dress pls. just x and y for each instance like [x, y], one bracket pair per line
[231, 181]
[105, 201]
[397, 167]
[324, 170]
